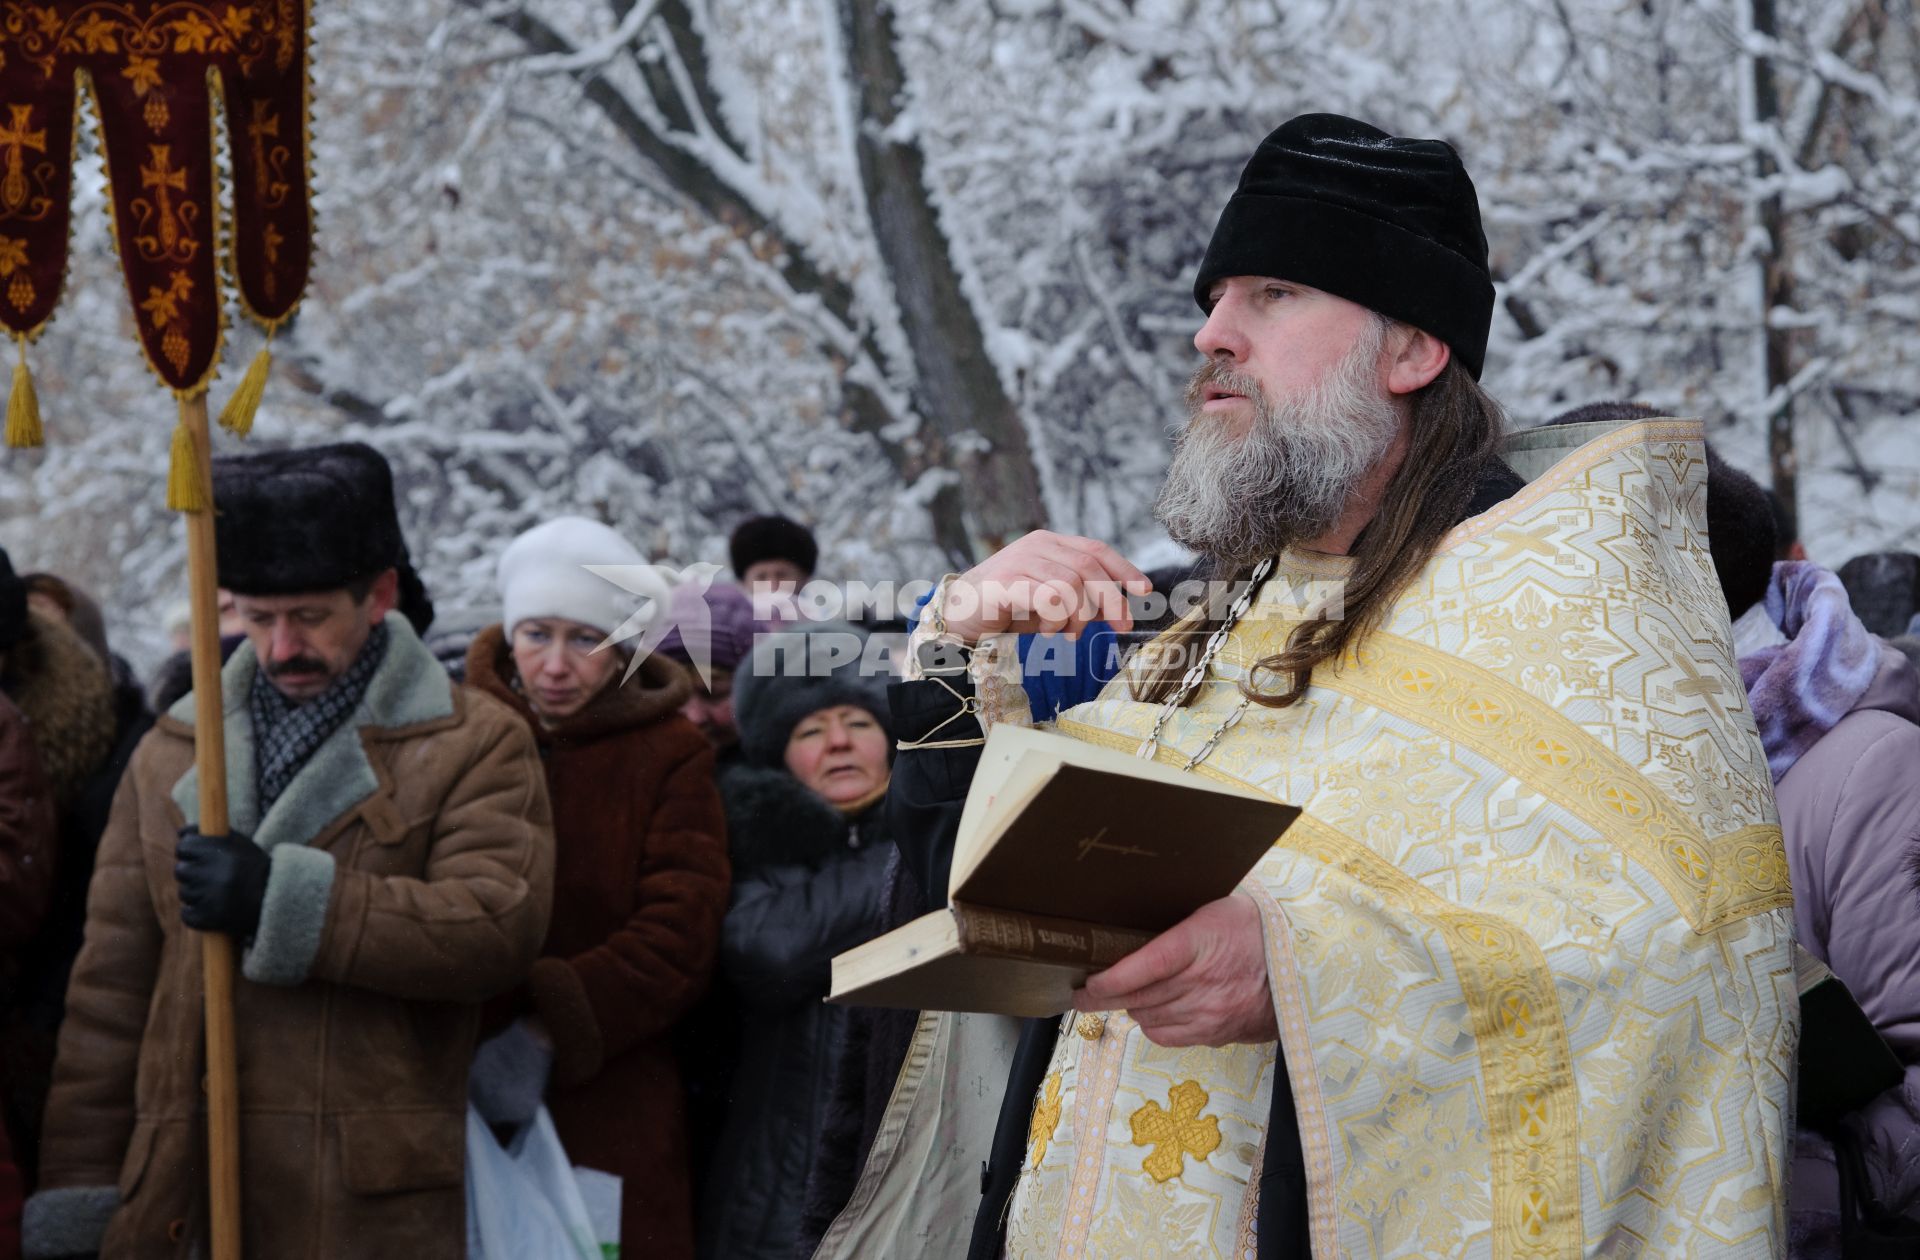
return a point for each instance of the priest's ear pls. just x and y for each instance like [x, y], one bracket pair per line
[383, 596]
[1416, 357]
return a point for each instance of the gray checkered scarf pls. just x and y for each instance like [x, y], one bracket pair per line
[285, 734]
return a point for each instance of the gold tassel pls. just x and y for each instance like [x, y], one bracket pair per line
[186, 478]
[23, 407]
[237, 416]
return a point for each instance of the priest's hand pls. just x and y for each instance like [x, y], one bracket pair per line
[1043, 583]
[223, 880]
[1202, 982]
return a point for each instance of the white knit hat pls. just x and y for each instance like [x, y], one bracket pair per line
[543, 573]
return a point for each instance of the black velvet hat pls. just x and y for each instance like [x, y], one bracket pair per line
[771, 538]
[1390, 223]
[314, 519]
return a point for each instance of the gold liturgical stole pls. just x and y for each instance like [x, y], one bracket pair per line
[1529, 947]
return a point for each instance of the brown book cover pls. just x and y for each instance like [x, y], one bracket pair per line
[1100, 847]
[1070, 856]
[1042, 938]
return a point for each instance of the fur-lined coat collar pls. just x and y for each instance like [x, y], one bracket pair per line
[408, 689]
[66, 693]
[659, 687]
[773, 820]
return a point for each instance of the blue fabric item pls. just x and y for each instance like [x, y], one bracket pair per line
[1057, 672]
[509, 1075]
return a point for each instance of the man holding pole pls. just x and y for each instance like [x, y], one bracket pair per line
[387, 866]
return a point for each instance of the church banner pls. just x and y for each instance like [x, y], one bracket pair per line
[160, 76]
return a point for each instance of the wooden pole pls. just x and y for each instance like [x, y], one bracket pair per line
[210, 759]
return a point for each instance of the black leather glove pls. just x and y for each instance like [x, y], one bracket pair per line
[223, 880]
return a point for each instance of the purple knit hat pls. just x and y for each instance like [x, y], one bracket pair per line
[728, 635]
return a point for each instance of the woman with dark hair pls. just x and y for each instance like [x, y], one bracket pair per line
[640, 879]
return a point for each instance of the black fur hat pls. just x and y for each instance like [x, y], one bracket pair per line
[1390, 223]
[1884, 589]
[415, 604]
[771, 538]
[311, 519]
[800, 670]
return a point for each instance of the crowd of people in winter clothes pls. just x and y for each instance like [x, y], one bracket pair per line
[612, 886]
[631, 877]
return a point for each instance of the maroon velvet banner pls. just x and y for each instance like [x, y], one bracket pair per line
[158, 72]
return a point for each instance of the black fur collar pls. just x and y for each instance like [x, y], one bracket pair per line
[774, 821]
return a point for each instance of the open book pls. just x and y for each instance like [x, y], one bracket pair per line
[1069, 857]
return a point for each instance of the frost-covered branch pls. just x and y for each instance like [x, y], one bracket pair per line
[599, 53]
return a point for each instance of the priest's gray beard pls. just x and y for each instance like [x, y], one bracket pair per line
[1238, 498]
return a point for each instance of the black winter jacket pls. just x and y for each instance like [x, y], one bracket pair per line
[808, 884]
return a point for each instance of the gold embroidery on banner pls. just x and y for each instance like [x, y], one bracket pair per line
[165, 224]
[180, 27]
[1176, 1134]
[1046, 1118]
[18, 139]
[162, 306]
[270, 185]
[1712, 881]
[283, 36]
[13, 269]
[142, 74]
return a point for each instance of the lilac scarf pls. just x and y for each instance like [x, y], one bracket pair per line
[1801, 689]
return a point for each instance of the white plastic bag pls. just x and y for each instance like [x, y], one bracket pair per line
[522, 1203]
[600, 1191]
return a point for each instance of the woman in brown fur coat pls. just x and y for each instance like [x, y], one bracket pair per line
[640, 878]
[84, 729]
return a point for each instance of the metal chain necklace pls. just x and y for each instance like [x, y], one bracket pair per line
[1197, 674]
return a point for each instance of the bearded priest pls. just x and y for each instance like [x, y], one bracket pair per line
[1519, 982]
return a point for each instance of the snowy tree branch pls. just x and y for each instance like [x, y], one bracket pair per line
[595, 56]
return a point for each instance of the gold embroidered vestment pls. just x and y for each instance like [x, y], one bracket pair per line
[1529, 946]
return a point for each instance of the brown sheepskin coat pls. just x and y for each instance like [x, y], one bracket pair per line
[412, 863]
[640, 888]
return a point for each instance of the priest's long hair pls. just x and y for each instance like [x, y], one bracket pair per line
[1454, 430]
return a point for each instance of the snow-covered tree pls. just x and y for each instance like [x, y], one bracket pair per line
[918, 272]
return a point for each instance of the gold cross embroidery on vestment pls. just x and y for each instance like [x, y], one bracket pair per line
[1178, 1133]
